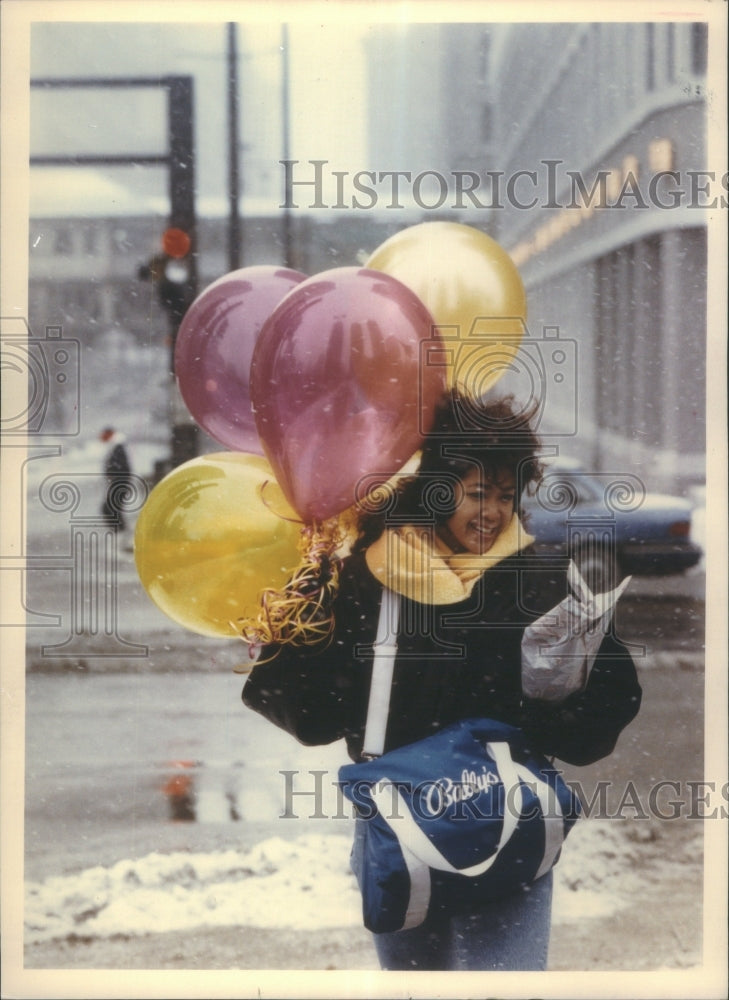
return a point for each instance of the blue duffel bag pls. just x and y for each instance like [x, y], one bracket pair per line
[464, 817]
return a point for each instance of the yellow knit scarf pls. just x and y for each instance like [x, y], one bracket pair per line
[414, 562]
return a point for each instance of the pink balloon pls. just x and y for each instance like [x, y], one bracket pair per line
[339, 389]
[214, 347]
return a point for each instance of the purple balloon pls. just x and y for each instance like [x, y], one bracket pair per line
[341, 395]
[215, 345]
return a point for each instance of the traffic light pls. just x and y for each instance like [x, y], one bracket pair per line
[173, 272]
[176, 243]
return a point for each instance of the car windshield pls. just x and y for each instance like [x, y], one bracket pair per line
[581, 485]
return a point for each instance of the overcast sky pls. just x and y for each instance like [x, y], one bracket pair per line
[328, 103]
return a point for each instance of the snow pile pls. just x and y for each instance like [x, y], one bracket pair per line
[597, 873]
[302, 884]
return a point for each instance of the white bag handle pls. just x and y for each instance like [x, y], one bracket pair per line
[552, 816]
[394, 810]
[400, 820]
[382, 667]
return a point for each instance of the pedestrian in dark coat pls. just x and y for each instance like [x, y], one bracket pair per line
[451, 543]
[117, 470]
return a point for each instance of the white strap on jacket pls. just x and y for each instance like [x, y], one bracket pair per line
[382, 666]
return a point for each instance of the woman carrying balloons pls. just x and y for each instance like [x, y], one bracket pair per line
[450, 542]
[351, 373]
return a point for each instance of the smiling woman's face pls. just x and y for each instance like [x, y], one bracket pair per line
[484, 509]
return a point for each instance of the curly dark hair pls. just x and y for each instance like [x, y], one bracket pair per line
[495, 436]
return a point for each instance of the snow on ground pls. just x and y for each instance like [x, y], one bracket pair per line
[300, 884]
[304, 884]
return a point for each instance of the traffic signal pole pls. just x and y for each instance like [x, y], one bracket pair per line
[233, 150]
[175, 273]
[184, 443]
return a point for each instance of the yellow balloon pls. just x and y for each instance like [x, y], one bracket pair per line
[473, 291]
[211, 536]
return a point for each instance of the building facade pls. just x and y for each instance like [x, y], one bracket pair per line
[609, 121]
[589, 145]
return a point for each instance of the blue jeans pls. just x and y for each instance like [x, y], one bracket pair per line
[510, 935]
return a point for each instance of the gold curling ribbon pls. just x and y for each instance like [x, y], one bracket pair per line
[300, 613]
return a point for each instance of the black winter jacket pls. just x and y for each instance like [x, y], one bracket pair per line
[453, 662]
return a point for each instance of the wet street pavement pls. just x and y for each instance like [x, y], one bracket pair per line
[664, 613]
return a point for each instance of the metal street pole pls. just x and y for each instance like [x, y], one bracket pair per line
[233, 150]
[285, 125]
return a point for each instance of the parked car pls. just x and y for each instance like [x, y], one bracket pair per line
[610, 524]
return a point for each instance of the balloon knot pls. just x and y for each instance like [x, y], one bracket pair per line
[301, 612]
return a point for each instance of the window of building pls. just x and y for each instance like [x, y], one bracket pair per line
[670, 52]
[650, 56]
[90, 239]
[121, 241]
[63, 241]
[699, 48]
[487, 119]
[629, 341]
[605, 327]
[484, 56]
[649, 358]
